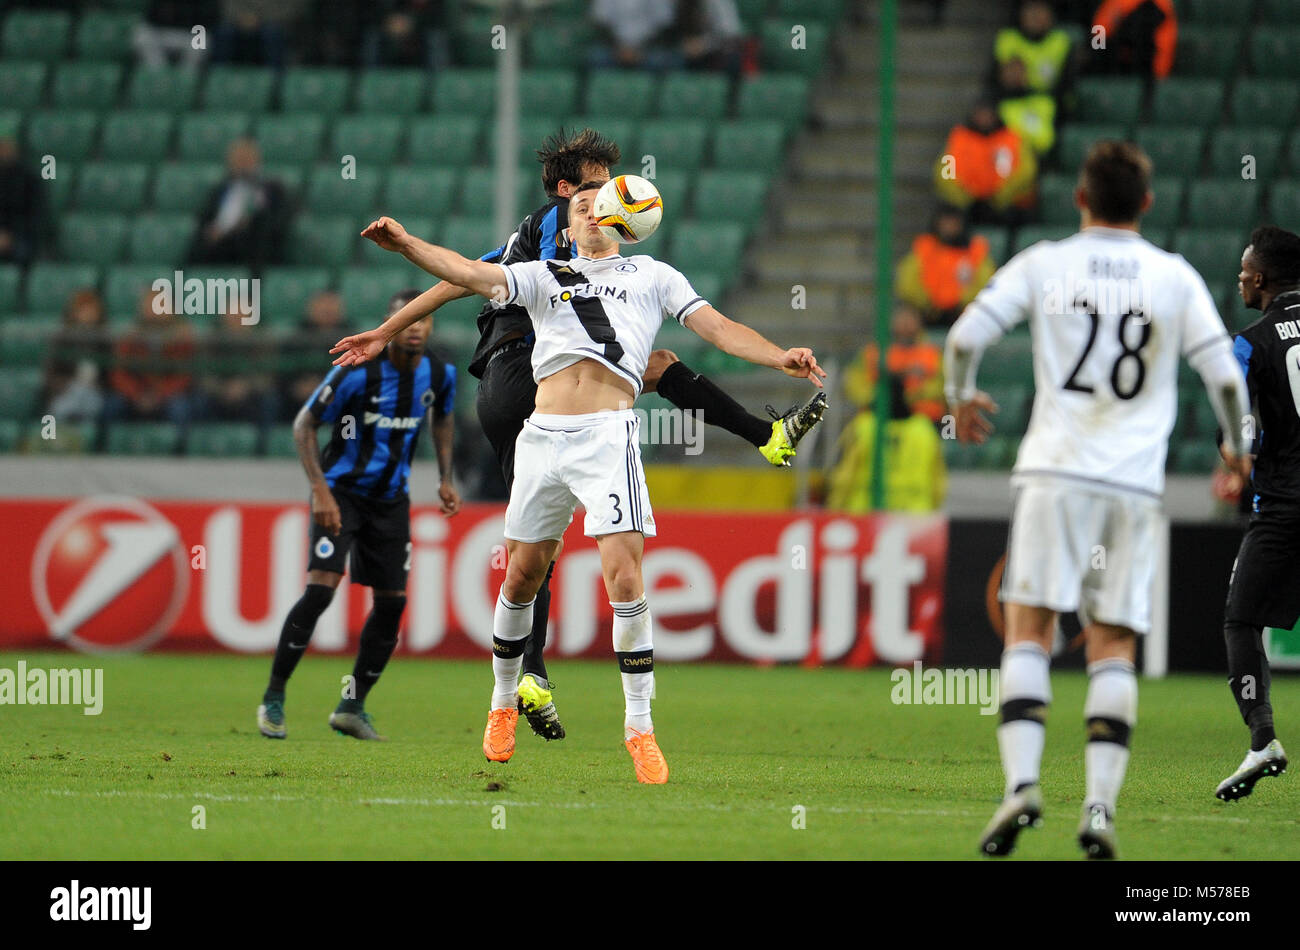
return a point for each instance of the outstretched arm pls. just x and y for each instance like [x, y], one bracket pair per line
[480, 277]
[747, 343]
[357, 349]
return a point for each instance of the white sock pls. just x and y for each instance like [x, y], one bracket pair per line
[1026, 692]
[1110, 711]
[634, 648]
[511, 624]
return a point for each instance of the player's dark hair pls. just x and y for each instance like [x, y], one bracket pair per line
[1115, 178]
[403, 297]
[587, 186]
[1277, 255]
[564, 155]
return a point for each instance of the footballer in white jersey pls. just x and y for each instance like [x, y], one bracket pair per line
[1109, 315]
[595, 319]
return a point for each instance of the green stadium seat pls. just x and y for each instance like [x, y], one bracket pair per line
[742, 194]
[1264, 102]
[329, 192]
[444, 140]
[10, 435]
[1272, 52]
[22, 84]
[373, 139]
[1231, 145]
[704, 96]
[36, 34]
[1206, 51]
[67, 134]
[1074, 140]
[675, 144]
[222, 439]
[323, 239]
[86, 85]
[366, 290]
[1208, 12]
[10, 281]
[1183, 101]
[49, 284]
[784, 50]
[20, 390]
[825, 11]
[112, 186]
[470, 236]
[779, 96]
[136, 135]
[557, 46]
[1224, 202]
[474, 38]
[1166, 212]
[290, 137]
[92, 238]
[548, 92]
[309, 89]
[721, 244]
[1215, 252]
[393, 91]
[621, 131]
[478, 195]
[999, 242]
[465, 92]
[280, 443]
[614, 92]
[750, 146]
[426, 190]
[105, 34]
[172, 88]
[1056, 198]
[250, 87]
[207, 135]
[1277, 12]
[142, 438]
[1284, 203]
[533, 130]
[124, 284]
[286, 290]
[162, 238]
[184, 186]
[675, 189]
[1113, 100]
[1174, 150]
[1031, 234]
[60, 188]
[290, 177]
[752, 13]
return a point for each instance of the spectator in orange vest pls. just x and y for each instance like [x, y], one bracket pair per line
[911, 357]
[945, 268]
[987, 169]
[1141, 36]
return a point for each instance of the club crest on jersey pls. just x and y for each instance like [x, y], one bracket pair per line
[627, 267]
[589, 290]
[427, 399]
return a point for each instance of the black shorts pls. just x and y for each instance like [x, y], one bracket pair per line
[1265, 586]
[376, 532]
[507, 396]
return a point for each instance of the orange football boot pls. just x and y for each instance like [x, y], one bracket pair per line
[499, 736]
[651, 767]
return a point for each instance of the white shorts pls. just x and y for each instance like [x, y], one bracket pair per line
[593, 460]
[1075, 548]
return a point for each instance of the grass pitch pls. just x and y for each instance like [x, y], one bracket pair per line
[746, 746]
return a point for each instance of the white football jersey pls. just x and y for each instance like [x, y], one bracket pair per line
[608, 310]
[1109, 314]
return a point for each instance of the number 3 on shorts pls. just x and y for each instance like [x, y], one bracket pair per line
[616, 509]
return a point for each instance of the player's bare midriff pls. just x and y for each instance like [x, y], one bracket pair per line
[586, 386]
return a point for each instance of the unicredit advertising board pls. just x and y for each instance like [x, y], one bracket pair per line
[110, 573]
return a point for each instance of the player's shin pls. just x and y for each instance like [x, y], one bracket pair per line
[295, 635]
[536, 643]
[1026, 694]
[634, 648]
[378, 641]
[1110, 711]
[1249, 679]
[510, 626]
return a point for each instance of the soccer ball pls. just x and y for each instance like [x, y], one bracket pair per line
[628, 209]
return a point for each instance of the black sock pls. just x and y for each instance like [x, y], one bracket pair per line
[1249, 679]
[536, 642]
[687, 390]
[297, 629]
[378, 641]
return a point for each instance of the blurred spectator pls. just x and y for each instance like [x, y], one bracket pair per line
[945, 268]
[253, 32]
[307, 353]
[1140, 37]
[987, 169]
[634, 33]
[79, 355]
[21, 202]
[1032, 115]
[911, 358]
[166, 33]
[1043, 48]
[916, 478]
[406, 33]
[237, 382]
[245, 217]
[153, 366]
[710, 34]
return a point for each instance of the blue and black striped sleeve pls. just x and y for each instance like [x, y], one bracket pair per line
[327, 401]
[445, 403]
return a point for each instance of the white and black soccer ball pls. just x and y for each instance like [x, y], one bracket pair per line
[628, 209]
